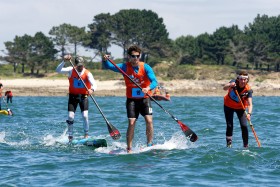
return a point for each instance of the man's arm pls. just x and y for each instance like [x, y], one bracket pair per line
[92, 82]
[152, 77]
[62, 70]
[231, 84]
[109, 65]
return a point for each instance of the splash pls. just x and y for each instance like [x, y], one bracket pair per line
[14, 143]
[177, 141]
[2, 137]
[50, 140]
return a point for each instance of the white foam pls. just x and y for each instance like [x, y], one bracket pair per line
[177, 141]
[2, 137]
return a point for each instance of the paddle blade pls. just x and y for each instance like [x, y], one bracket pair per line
[114, 133]
[193, 137]
[188, 132]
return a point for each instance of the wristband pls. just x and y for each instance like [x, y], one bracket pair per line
[249, 114]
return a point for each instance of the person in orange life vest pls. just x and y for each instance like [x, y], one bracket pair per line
[167, 95]
[9, 96]
[157, 91]
[138, 102]
[7, 112]
[233, 104]
[78, 94]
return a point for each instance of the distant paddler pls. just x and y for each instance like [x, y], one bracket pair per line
[7, 112]
[238, 99]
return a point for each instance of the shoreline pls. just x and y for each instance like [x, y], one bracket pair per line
[59, 87]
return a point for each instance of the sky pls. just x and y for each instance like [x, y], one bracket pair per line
[181, 17]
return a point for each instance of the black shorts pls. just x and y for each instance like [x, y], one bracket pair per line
[74, 100]
[136, 106]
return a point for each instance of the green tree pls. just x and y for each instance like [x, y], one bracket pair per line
[206, 48]
[77, 36]
[221, 38]
[140, 27]
[13, 55]
[42, 52]
[237, 47]
[19, 51]
[60, 37]
[186, 49]
[272, 25]
[258, 40]
[100, 34]
[66, 34]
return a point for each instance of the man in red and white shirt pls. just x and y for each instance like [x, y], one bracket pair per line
[78, 94]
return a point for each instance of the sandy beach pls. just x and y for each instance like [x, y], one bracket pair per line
[59, 87]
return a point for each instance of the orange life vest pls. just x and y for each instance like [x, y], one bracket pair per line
[141, 78]
[9, 93]
[76, 86]
[231, 99]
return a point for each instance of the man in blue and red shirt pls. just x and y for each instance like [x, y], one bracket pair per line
[138, 102]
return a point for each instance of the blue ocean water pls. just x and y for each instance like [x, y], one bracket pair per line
[30, 155]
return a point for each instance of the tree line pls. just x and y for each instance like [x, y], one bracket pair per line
[257, 46]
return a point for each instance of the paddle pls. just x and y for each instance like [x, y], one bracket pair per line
[187, 131]
[251, 125]
[9, 110]
[114, 133]
[5, 103]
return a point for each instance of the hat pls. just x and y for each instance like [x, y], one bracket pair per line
[79, 61]
[10, 113]
[243, 75]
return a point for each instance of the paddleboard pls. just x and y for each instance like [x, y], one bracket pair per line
[137, 150]
[85, 141]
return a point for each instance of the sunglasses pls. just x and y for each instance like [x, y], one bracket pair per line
[135, 56]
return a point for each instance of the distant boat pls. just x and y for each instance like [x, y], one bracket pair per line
[160, 94]
[161, 98]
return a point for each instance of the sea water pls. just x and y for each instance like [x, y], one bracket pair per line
[30, 156]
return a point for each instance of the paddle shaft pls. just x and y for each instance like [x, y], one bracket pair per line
[184, 127]
[90, 94]
[5, 102]
[113, 131]
[251, 125]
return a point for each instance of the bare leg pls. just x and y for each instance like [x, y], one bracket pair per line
[130, 133]
[149, 128]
